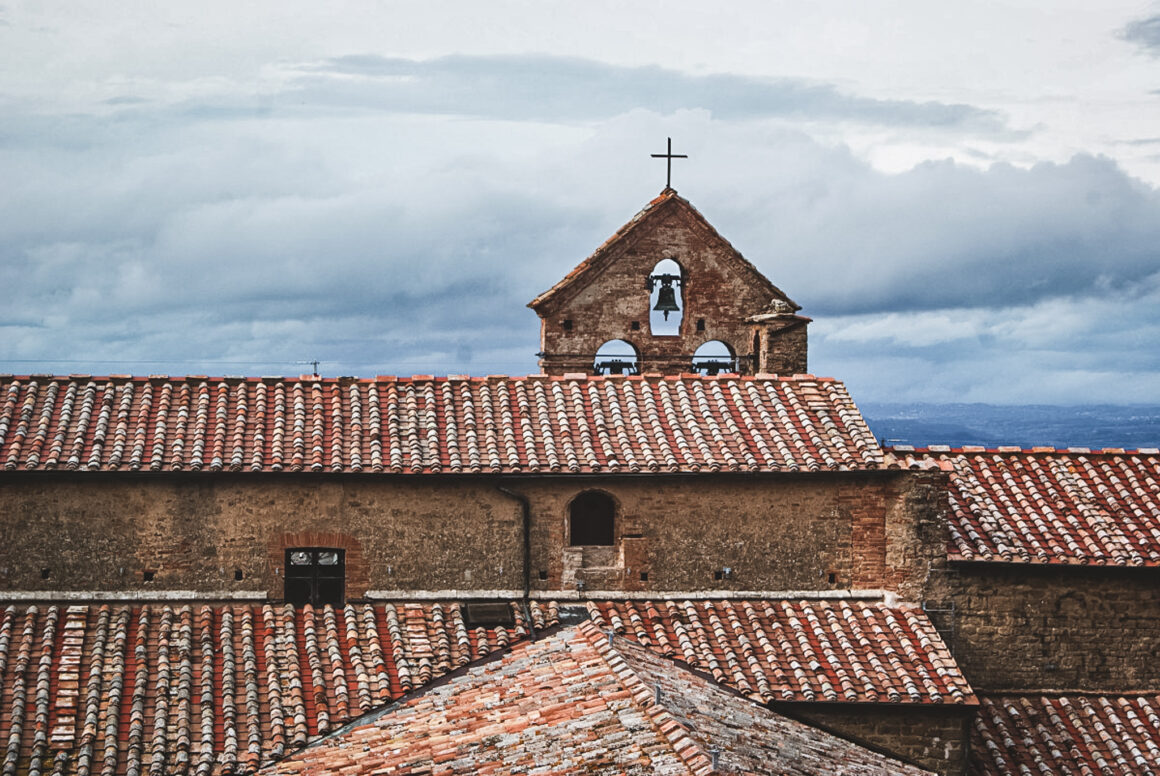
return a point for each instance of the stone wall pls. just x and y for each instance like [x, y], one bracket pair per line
[936, 738]
[719, 293]
[878, 530]
[105, 532]
[1018, 626]
[702, 532]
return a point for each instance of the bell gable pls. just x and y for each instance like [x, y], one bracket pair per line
[665, 294]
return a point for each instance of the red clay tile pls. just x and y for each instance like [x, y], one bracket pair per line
[431, 426]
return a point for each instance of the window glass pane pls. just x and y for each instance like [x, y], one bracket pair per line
[300, 558]
[329, 592]
[298, 591]
[328, 558]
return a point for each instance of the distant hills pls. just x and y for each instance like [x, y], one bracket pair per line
[1094, 426]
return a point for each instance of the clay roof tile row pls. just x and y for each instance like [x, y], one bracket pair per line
[1048, 506]
[215, 689]
[432, 425]
[1114, 735]
[574, 701]
[835, 651]
[206, 689]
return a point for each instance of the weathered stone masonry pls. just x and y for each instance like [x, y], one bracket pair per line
[724, 298]
[1036, 627]
[870, 530]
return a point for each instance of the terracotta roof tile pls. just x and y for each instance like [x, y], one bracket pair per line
[575, 700]
[206, 689]
[432, 425]
[836, 651]
[1114, 735]
[1061, 507]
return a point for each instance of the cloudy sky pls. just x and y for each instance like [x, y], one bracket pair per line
[965, 197]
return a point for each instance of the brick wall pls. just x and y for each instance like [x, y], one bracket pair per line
[772, 532]
[1032, 627]
[934, 738]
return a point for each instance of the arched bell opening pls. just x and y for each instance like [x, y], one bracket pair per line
[592, 520]
[666, 300]
[616, 357]
[713, 358]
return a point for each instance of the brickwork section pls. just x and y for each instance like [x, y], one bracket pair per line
[1023, 628]
[781, 533]
[194, 532]
[933, 738]
[603, 297]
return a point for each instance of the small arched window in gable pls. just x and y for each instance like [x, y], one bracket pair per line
[713, 358]
[592, 519]
[616, 357]
[666, 299]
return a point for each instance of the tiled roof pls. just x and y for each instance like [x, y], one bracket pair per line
[432, 425]
[209, 689]
[598, 257]
[844, 651]
[571, 702]
[213, 689]
[1048, 506]
[1111, 735]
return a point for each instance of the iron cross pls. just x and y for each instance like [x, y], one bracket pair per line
[669, 157]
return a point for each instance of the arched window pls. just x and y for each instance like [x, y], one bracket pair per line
[616, 357]
[666, 291]
[713, 358]
[592, 519]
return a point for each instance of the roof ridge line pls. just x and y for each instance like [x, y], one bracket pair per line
[678, 736]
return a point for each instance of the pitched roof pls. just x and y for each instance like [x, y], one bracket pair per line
[571, 701]
[225, 688]
[842, 651]
[214, 689]
[432, 425]
[1049, 506]
[666, 200]
[1113, 735]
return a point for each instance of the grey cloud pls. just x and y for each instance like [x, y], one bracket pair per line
[565, 88]
[943, 235]
[208, 246]
[1145, 33]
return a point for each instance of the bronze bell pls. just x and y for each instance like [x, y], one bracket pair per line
[666, 299]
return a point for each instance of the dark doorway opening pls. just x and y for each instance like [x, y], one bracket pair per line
[315, 576]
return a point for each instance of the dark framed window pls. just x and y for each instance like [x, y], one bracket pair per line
[315, 576]
[592, 519]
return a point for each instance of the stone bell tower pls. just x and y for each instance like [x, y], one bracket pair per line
[667, 294]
